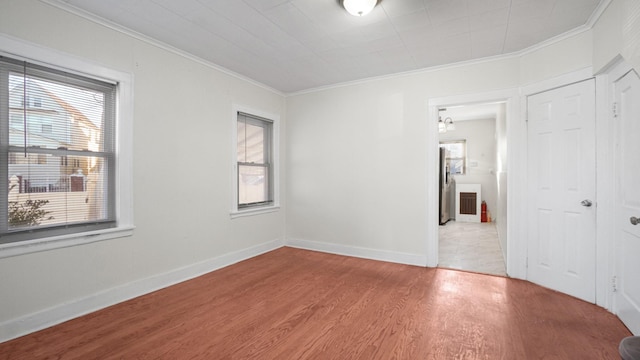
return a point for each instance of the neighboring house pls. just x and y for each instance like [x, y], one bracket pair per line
[51, 123]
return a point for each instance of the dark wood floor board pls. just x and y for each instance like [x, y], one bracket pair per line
[296, 304]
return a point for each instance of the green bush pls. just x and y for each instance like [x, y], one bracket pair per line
[28, 213]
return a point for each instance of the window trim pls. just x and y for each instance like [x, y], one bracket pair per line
[275, 167]
[22, 50]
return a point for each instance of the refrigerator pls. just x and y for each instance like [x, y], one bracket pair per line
[446, 187]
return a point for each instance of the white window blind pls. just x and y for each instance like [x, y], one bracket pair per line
[255, 159]
[57, 136]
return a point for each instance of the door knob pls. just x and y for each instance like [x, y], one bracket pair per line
[634, 220]
[586, 203]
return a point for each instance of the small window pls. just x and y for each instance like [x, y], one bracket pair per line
[47, 128]
[456, 156]
[254, 161]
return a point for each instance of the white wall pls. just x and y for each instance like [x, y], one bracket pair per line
[182, 177]
[617, 32]
[481, 157]
[607, 35]
[360, 155]
[358, 160]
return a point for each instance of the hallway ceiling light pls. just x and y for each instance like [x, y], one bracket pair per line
[445, 125]
[449, 122]
[442, 128]
[359, 7]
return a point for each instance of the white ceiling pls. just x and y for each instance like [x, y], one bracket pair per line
[294, 45]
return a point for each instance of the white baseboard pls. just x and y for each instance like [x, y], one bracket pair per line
[366, 253]
[60, 313]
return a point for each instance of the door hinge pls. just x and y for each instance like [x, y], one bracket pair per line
[614, 283]
[615, 109]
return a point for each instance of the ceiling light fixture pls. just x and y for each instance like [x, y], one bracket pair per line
[359, 7]
[445, 125]
[442, 128]
[449, 123]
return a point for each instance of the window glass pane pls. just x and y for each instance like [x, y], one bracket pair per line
[58, 191]
[57, 115]
[252, 184]
[456, 166]
[254, 144]
[456, 155]
[251, 142]
[456, 150]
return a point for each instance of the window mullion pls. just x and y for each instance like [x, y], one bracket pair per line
[253, 164]
[57, 152]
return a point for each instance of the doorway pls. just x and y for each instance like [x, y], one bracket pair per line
[472, 187]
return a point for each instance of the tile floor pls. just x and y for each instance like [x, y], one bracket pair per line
[471, 247]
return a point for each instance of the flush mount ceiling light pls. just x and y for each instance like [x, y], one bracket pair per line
[359, 7]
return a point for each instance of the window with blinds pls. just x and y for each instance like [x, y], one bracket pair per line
[457, 156]
[57, 135]
[255, 159]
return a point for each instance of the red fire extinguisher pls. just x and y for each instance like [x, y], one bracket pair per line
[483, 212]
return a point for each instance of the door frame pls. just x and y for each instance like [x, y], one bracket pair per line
[605, 185]
[613, 72]
[515, 265]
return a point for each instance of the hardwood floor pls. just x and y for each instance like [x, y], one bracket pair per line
[296, 304]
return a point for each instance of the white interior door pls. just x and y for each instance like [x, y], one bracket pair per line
[627, 261]
[562, 176]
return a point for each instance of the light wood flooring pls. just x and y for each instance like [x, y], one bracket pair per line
[296, 304]
[471, 247]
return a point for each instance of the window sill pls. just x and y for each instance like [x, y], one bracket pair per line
[58, 242]
[255, 211]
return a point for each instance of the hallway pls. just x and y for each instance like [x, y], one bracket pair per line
[472, 247]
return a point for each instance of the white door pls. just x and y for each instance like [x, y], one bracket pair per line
[562, 177]
[627, 261]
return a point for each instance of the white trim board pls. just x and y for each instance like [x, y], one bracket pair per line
[55, 315]
[360, 252]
